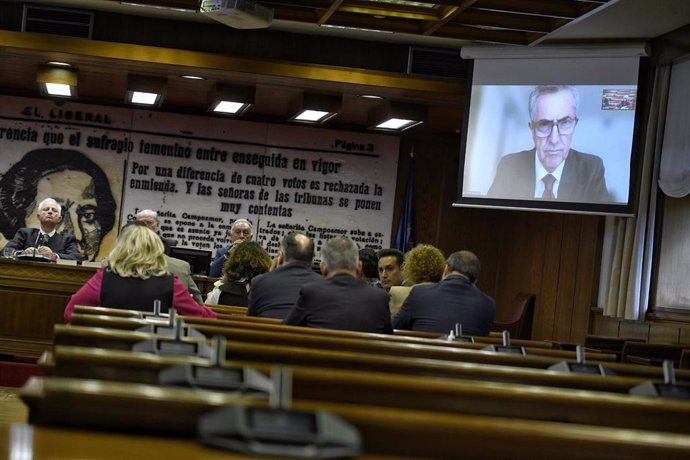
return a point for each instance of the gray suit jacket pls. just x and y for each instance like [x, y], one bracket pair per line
[582, 179]
[342, 302]
[65, 246]
[184, 272]
[274, 293]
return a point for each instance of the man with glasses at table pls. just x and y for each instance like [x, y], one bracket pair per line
[551, 170]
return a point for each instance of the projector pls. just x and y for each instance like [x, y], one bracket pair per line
[240, 14]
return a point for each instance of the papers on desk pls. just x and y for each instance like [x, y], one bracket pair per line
[66, 262]
[88, 263]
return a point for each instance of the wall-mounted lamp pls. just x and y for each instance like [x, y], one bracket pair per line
[145, 90]
[315, 108]
[396, 116]
[233, 100]
[57, 81]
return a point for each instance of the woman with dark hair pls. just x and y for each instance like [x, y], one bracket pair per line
[245, 261]
[89, 214]
[137, 274]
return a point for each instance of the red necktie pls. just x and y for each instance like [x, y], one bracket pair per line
[548, 181]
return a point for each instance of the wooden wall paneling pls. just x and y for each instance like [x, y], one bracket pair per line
[684, 336]
[547, 298]
[567, 277]
[606, 326]
[588, 263]
[664, 333]
[634, 330]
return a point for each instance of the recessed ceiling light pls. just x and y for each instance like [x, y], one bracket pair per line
[192, 77]
[140, 97]
[369, 96]
[59, 63]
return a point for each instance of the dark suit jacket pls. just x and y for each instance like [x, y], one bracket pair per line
[65, 246]
[342, 302]
[437, 307]
[582, 179]
[167, 244]
[216, 270]
[273, 294]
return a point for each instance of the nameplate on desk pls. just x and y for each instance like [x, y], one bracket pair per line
[66, 262]
[88, 263]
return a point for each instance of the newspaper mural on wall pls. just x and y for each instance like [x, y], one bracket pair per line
[104, 164]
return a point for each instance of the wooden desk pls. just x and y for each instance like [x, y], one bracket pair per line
[33, 297]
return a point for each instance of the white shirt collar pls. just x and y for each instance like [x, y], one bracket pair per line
[540, 172]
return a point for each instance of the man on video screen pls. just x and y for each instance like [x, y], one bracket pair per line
[551, 170]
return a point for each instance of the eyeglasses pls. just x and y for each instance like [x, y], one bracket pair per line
[543, 128]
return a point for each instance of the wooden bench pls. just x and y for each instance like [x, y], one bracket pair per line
[319, 353]
[70, 361]
[413, 392]
[384, 431]
[116, 322]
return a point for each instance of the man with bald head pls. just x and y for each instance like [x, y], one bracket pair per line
[240, 230]
[455, 299]
[46, 241]
[274, 293]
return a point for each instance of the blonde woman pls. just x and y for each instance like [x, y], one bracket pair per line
[136, 275]
[423, 264]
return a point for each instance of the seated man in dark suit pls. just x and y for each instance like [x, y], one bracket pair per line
[342, 300]
[46, 240]
[455, 299]
[240, 230]
[274, 293]
[150, 218]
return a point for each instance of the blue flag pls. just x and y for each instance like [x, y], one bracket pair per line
[404, 235]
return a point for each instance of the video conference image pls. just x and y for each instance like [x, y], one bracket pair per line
[566, 143]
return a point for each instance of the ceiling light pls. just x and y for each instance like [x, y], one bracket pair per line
[396, 116]
[192, 77]
[315, 108]
[145, 90]
[59, 63]
[57, 81]
[231, 99]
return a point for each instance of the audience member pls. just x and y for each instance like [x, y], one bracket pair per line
[136, 275]
[423, 264]
[244, 262]
[177, 267]
[370, 269]
[183, 270]
[342, 300]
[390, 263]
[46, 241]
[240, 230]
[273, 294]
[150, 218]
[456, 299]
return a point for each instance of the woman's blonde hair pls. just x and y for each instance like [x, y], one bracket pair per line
[423, 263]
[245, 261]
[138, 253]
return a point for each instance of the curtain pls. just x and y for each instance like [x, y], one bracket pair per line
[626, 272]
[674, 173]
